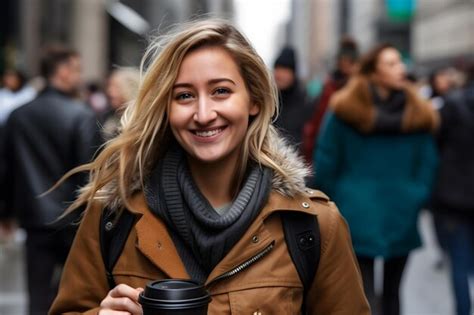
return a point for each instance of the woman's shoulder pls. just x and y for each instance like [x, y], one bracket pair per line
[331, 223]
[338, 282]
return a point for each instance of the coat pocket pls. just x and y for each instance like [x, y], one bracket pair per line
[266, 300]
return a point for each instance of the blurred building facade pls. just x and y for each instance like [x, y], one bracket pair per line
[442, 33]
[317, 25]
[112, 32]
[429, 33]
[105, 32]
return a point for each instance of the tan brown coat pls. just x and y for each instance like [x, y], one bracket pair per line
[270, 286]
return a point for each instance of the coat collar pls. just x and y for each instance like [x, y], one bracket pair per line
[354, 105]
[156, 244]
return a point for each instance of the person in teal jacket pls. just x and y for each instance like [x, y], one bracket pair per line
[376, 159]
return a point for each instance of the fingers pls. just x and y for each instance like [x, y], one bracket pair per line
[122, 299]
[122, 304]
[123, 290]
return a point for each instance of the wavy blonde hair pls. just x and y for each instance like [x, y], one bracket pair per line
[130, 157]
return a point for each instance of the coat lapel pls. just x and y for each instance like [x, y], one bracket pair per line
[155, 243]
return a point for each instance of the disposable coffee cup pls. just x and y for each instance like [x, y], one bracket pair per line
[174, 297]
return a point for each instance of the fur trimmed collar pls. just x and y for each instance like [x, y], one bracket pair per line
[287, 158]
[354, 105]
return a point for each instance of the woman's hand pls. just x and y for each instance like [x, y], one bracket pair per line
[121, 300]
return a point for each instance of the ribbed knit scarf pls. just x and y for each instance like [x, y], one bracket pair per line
[201, 236]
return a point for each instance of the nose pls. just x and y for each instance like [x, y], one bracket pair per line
[205, 112]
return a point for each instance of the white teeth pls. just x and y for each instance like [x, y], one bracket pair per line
[209, 133]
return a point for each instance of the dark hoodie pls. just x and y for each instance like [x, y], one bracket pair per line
[454, 192]
[292, 101]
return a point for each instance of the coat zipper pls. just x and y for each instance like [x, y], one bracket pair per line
[245, 264]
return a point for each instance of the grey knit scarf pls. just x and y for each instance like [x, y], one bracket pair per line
[202, 236]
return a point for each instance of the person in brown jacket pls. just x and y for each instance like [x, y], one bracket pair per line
[207, 176]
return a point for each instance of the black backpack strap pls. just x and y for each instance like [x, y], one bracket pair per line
[304, 244]
[113, 235]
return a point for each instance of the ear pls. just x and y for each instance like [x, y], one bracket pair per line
[254, 109]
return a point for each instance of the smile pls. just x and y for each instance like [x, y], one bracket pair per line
[208, 133]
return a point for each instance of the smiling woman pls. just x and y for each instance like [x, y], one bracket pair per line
[207, 176]
[209, 116]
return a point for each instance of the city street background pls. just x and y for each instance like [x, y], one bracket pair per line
[110, 34]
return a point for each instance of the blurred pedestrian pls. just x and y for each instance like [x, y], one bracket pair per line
[96, 98]
[293, 102]
[453, 197]
[376, 159]
[44, 139]
[15, 92]
[122, 89]
[439, 85]
[436, 90]
[345, 66]
[206, 176]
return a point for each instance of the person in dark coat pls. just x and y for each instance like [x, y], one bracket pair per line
[453, 198]
[292, 99]
[376, 158]
[44, 139]
[14, 93]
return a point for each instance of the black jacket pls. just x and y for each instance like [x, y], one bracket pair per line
[45, 139]
[294, 112]
[454, 189]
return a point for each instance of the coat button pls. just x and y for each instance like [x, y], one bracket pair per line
[255, 239]
[305, 205]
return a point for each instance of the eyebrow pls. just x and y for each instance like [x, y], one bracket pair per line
[212, 81]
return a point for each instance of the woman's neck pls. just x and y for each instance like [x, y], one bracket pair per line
[215, 180]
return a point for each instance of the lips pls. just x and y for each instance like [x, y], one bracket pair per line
[208, 133]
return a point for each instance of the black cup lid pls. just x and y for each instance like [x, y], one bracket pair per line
[175, 290]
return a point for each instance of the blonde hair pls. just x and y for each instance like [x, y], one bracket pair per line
[129, 157]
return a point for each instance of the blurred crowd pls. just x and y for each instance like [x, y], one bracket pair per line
[47, 127]
[384, 144]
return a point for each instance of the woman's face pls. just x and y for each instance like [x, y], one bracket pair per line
[210, 107]
[390, 70]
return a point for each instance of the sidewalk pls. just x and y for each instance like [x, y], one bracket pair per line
[425, 289]
[12, 281]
